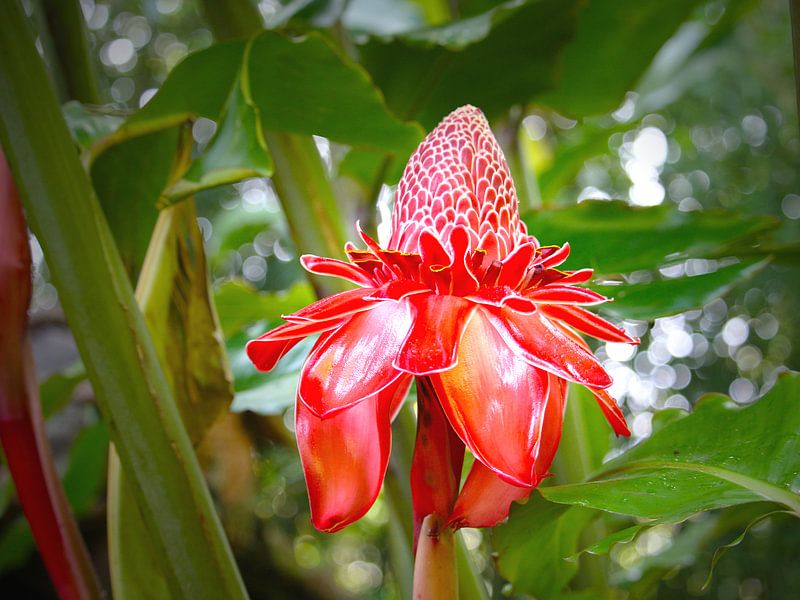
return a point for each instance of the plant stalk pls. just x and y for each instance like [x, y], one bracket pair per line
[113, 341]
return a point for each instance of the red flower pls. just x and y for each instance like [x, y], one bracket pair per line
[469, 304]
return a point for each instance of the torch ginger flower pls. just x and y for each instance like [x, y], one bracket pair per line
[469, 304]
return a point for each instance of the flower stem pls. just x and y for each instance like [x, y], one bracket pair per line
[114, 343]
[435, 572]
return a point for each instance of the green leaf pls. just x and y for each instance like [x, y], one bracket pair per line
[307, 86]
[173, 292]
[89, 124]
[129, 203]
[56, 391]
[236, 152]
[494, 60]
[648, 301]
[613, 238]
[85, 478]
[240, 304]
[535, 543]
[300, 85]
[615, 42]
[720, 455]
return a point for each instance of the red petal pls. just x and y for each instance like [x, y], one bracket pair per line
[550, 433]
[335, 268]
[502, 296]
[485, 499]
[432, 342]
[463, 282]
[494, 401]
[265, 354]
[398, 289]
[344, 458]
[590, 324]
[544, 345]
[356, 361]
[565, 294]
[612, 412]
[437, 460]
[573, 277]
[334, 307]
[301, 329]
[515, 265]
[556, 257]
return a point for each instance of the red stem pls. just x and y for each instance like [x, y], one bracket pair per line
[21, 424]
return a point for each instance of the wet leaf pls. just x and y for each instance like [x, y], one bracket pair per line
[720, 455]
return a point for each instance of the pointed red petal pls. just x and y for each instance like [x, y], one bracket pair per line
[556, 256]
[612, 412]
[356, 361]
[437, 460]
[565, 294]
[515, 265]
[573, 277]
[432, 342]
[265, 354]
[550, 432]
[335, 268]
[464, 282]
[334, 307]
[590, 324]
[485, 499]
[494, 401]
[398, 289]
[344, 458]
[542, 344]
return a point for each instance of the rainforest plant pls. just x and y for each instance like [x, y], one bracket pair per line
[471, 323]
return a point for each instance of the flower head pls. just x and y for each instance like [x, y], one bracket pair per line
[475, 309]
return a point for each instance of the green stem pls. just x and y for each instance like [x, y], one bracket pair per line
[97, 298]
[794, 15]
[68, 32]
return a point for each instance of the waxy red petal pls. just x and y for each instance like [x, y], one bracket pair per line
[589, 323]
[555, 257]
[335, 268]
[485, 499]
[356, 361]
[515, 265]
[334, 307]
[612, 412]
[494, 401]
[565, 294]
[344, 457]
[432, 342]
[265, 354]
[550, 432]
[397, 290]
[438, 457]
[542, 344]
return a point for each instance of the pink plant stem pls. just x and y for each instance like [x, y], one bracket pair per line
[21, 423]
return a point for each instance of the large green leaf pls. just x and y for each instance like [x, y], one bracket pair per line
[129, 203]
[612, 237]
[720, 455]
[307, 86]
[300, 85]
[494, 60]
[236, 152]
[648, 301]
[534, 544]
[615, 42]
